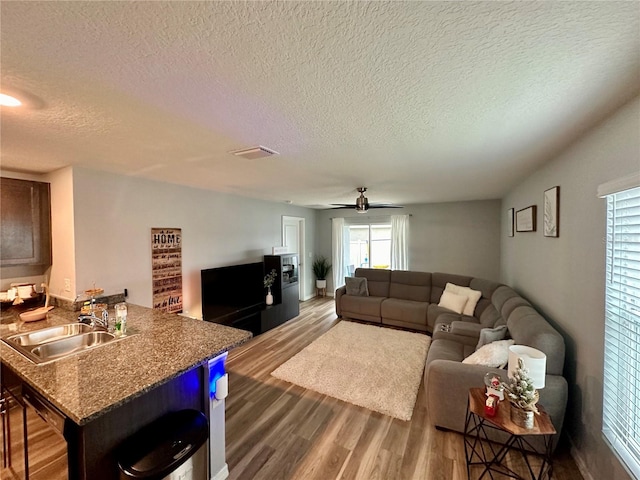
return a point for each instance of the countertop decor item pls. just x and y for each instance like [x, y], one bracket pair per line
[35, 314]
[40, 313]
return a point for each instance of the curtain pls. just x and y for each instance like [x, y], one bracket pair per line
[399, 242]
[337, 252]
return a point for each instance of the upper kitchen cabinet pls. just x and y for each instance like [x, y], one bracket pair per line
[25, 227]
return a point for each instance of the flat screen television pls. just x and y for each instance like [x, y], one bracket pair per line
[233, 292]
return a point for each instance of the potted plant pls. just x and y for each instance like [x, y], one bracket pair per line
[321, 267]
[523, 397]
[269, 278]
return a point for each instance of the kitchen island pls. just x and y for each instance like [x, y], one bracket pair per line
[109, 392]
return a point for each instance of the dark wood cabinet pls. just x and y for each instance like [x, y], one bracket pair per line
[286, 302]
[25, 236]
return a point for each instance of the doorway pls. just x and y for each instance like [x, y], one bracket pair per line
[293, 239]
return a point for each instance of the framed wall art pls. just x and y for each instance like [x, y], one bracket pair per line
[551, 212]
[510, 222]
[526, 219]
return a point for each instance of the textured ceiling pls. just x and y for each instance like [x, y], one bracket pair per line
[419, 101]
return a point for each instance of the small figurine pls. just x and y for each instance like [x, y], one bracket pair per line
[494, 385]
[491, 405]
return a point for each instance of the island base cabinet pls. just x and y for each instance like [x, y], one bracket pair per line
[93, 447]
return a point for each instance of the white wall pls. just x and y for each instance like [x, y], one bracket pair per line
[454, 237]
[114, 214]
[62, 233]
[565, 277]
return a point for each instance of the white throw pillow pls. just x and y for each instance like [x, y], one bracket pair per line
[473, 296]
[453, 301]
[494, 355]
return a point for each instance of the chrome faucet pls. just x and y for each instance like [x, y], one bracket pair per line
[94, 321]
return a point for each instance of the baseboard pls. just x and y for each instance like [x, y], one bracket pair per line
[577, 457]
[222, 474]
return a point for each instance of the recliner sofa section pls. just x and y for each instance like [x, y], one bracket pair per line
[409, 299]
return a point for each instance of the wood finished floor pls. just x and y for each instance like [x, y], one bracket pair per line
[276, 430]
[47, 452]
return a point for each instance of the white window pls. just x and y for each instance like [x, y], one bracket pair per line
[369, 246]
[621, 405]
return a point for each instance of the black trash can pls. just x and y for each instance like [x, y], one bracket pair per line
[172, 447]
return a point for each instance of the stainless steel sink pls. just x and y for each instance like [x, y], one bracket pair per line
[45, 335]
[54, 343]
[77, 343]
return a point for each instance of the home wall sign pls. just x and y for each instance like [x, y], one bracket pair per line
[166, 269]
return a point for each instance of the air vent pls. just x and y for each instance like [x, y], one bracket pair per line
[254, 152]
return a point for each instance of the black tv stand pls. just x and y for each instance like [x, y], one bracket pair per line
[245, 318]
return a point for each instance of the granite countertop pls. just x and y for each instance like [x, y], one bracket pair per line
[157, 348]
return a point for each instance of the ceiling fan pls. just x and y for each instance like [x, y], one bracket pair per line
[362, 204]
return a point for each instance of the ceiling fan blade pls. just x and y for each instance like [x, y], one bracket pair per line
[373, 205]
[337, 206]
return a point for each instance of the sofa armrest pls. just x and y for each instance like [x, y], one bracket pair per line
[466, 329]
[340, 291]
[441, 334]
[447, 385]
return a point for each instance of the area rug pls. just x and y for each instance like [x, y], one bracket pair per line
[373, 367]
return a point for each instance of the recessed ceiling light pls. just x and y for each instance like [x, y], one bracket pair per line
[9, 101]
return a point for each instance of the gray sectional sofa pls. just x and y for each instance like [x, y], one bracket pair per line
[410, 300]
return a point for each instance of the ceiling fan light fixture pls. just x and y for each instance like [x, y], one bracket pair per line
[362, 203]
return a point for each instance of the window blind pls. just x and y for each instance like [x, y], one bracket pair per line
[621, 405]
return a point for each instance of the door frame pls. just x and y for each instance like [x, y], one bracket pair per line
[299, 222]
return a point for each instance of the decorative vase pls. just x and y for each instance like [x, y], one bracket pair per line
[269, 300]
[522, 418]
[321, 284]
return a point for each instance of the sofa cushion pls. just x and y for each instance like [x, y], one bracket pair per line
[377, 280]
[440, 280]
[494, 355]
[356, 286]
[448, 350]
[406, 311]
[472, 296]
[506, 300]
[527, 327]
[453, 301]
[369, 306]
[408, 285]
[490, 317]
[488, 335]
